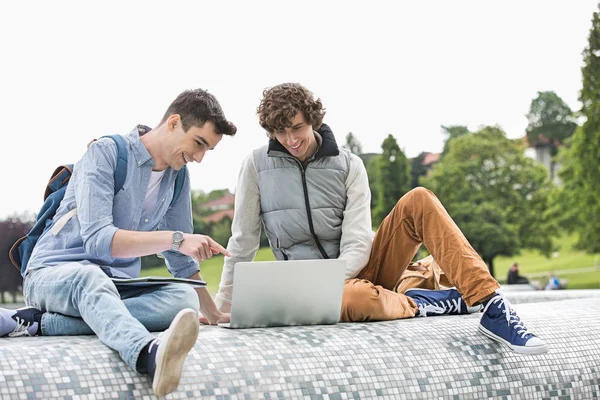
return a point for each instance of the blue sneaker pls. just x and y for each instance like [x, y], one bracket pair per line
[501, 323]
[169, 350]
[24, 321]
[440, 302]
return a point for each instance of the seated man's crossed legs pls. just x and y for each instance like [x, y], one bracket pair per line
[76, 299]
[419, 218]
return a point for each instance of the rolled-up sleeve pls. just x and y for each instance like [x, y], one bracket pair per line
[179, 218]
[94, 186]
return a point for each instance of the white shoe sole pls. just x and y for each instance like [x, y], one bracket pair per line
[174, 347]
[517, 349]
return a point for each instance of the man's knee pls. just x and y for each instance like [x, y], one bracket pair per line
[184, 296]
[420, 193]
[358, 300]
[93, 278]
[364, 301]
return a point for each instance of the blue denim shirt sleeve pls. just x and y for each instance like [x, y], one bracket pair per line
[94, 187]
[179, 218]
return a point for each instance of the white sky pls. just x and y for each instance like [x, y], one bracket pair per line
[71, 71]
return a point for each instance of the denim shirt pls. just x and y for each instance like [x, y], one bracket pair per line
[87, 234]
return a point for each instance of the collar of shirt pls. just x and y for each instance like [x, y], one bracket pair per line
[137, 147]
[319, 143]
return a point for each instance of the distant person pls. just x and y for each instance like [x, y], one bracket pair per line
[553, 283]
[312, 197]
[98, 234]
[514, 278]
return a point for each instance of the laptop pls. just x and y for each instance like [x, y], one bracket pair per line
[286, 293]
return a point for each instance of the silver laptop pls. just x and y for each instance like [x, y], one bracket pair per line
[284, 293]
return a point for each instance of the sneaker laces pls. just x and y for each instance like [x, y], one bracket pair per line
[21, 329]
[439, 308]
[511, 316]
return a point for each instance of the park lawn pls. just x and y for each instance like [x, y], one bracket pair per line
[529, 262]
[565, 258]
[587, 280]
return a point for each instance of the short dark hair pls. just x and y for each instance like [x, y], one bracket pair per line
[197, 106]
[281, 103]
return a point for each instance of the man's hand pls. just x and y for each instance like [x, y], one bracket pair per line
[209, 314]
[216, 319]
[201, 247]
[225, 307]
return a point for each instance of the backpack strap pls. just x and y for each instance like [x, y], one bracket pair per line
[121, 170]
[179, 183]
[59, 178]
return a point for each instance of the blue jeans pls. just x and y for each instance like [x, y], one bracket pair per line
[82, 300]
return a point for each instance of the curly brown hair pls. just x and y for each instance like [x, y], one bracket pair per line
[281, 103]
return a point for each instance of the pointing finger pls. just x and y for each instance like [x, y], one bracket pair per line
[217, 248]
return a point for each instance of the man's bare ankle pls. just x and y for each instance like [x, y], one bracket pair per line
[486, 299]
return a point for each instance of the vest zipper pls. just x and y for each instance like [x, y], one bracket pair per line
[285, 257]
[309, 213]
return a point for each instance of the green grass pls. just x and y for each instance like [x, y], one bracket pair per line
[566, 258]
[530, 262]
[211, 269]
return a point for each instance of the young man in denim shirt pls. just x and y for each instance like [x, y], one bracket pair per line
[97, 234]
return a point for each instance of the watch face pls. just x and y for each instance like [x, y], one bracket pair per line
[178, 237]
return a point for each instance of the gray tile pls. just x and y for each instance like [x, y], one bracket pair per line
[421, 358]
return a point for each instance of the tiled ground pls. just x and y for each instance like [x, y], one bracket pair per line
[434, 357]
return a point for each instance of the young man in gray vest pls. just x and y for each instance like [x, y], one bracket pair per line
[97, 234]
[313, 199]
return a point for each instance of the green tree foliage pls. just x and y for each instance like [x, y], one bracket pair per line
[417, 169]
[198, 200]
[353, 144]
[452, 132]
[551, 121]
[200, 226]
[216, 194]
[391, 180]
[11, 229]
[580, 171]
[219, 231]
[370, 161]
[497, 196]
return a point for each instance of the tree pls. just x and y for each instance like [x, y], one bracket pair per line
[580, 171]
[200, 226]
[391, 180]
[417, 169]
[370, 161]
[551, 121]
[12, 229]
[221, 231]
[353, 144]
[453, 132]
[496, 195]
[217, 194]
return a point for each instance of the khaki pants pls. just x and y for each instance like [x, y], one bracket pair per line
[376, 294]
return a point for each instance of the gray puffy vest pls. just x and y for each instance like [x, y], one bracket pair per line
[302, 207]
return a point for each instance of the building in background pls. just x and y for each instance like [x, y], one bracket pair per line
[542, 153]
[219, 208]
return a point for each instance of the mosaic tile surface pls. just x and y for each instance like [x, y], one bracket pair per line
[420, 358]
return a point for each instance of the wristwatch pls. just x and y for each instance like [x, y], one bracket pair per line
[177, 239]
